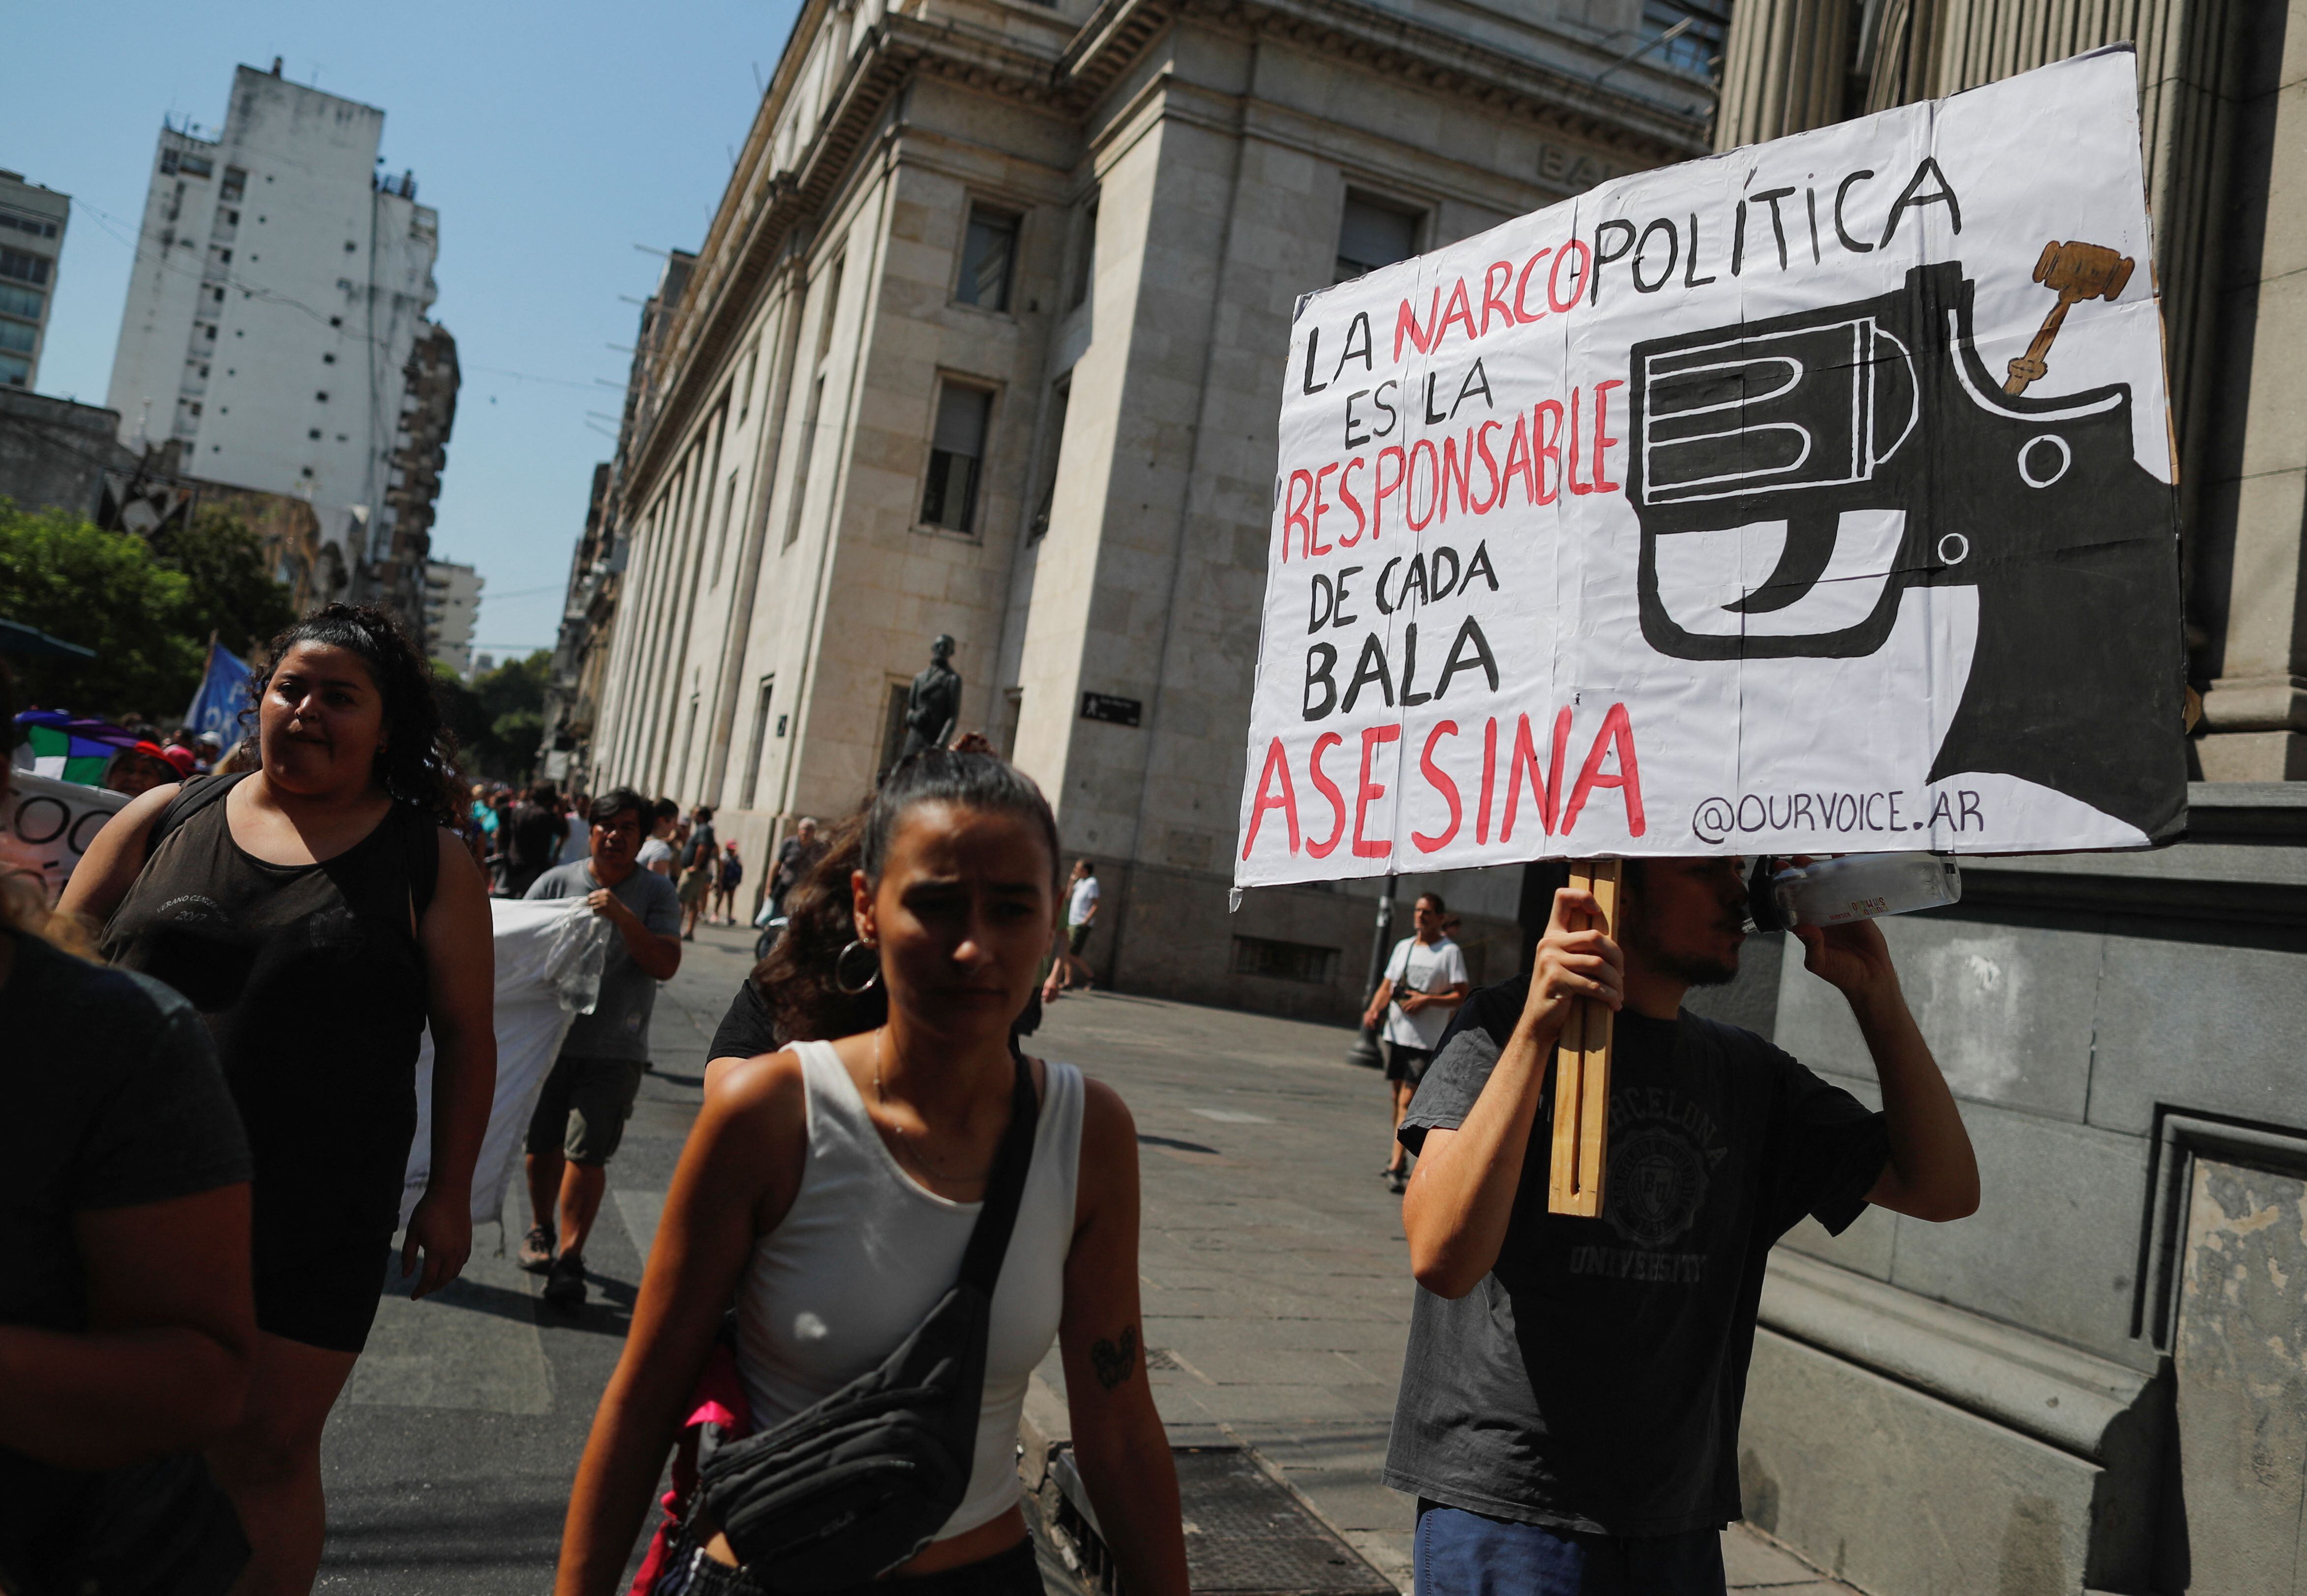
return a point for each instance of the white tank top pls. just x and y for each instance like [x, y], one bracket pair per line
[866, 1251]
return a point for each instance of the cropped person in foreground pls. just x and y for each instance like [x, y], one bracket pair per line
[1570, 1395]
[831, 1189]
[322, 915]
[127, 1320]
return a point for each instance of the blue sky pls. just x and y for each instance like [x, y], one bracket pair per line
[552, 139]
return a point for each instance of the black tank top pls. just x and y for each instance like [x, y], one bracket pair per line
[313, 986]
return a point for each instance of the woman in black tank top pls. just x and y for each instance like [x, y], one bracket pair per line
[319, 915]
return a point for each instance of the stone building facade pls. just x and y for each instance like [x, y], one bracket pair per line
[986, 341]
[2100, 1381]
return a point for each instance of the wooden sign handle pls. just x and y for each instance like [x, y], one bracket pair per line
[1581, 1076]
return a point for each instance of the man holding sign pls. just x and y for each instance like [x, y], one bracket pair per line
[1569, 1408]
[1816, 497]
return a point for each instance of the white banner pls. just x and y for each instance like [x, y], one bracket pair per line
[1814, 497]
[50, 823]
[549, 957]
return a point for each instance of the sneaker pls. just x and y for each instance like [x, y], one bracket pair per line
[1396, 1182]
[564, 1287]
[536, 1249]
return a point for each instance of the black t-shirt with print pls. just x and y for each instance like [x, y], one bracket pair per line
[1593, 1379]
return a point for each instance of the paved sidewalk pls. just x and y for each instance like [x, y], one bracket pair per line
[1276, 1280]
[1276, 1276]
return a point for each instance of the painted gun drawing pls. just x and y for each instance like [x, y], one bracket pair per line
[1874, 435]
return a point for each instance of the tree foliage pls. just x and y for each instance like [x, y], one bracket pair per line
[499, 717]
[104, 591]
[234, 591]
[147, 610]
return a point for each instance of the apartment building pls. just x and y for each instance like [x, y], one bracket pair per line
[32, 221]
[278, 301]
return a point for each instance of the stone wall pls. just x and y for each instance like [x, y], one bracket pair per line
[2121, 1034]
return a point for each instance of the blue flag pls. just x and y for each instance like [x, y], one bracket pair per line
[223, 695]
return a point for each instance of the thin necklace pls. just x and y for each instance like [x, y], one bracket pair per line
[905, 1149]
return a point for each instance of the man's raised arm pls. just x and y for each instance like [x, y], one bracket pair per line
[1461, 1195]
[1932, 1172]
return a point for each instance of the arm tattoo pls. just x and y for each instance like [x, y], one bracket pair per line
[1115, 1362]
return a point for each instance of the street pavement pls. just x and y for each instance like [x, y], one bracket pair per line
[1276, 1284]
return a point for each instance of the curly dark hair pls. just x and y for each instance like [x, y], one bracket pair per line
[417, 765]
[796, 980]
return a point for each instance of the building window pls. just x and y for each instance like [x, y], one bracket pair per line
[322, 396]
[1696, 48]
[808, 451]
[956, 449]
[21, 302]
[327, 359]
[1054, 444]
[745, 384]
[988, 253]
[15, 372]
[23, 267]
[313, 434]
[235, 182]
[195, 166]
[1284, 961]
[721, 538]
[766, 692]
[1373, 234]
[1084, 256]
[18, 337]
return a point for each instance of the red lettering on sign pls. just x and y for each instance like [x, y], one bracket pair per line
[1439, 779]
[1501, 273]
[1329, 790]
[1277, 769]
[1293, 518]
[1378, 505]
[1618, 733]
[1373, 738]
[1405, 325]
[1346, 496]
[1543, 789]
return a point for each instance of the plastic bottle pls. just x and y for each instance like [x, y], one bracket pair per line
[1855, 886]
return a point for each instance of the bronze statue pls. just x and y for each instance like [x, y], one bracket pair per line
[933, 706]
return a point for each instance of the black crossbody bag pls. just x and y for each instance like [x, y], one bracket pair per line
[847, 1489]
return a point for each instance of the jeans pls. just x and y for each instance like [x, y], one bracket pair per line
[1460, 1553]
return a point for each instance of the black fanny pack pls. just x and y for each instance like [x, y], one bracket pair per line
[847, 1489]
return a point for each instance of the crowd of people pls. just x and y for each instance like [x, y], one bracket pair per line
[887, 1212]
[516, 837]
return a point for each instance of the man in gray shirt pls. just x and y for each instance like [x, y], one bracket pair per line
[581, 1112]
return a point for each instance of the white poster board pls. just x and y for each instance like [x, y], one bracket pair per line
[47, 824]
[1737, 508]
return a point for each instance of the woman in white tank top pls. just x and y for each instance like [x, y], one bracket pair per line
[830, 1188]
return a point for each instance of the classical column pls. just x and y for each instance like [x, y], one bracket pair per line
[2255, 714]
[1785, 69]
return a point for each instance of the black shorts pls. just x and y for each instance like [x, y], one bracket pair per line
[1406, 1063]
[1077, 938]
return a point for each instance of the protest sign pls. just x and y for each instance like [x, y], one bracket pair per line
[49, 823]
[1813, 497]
